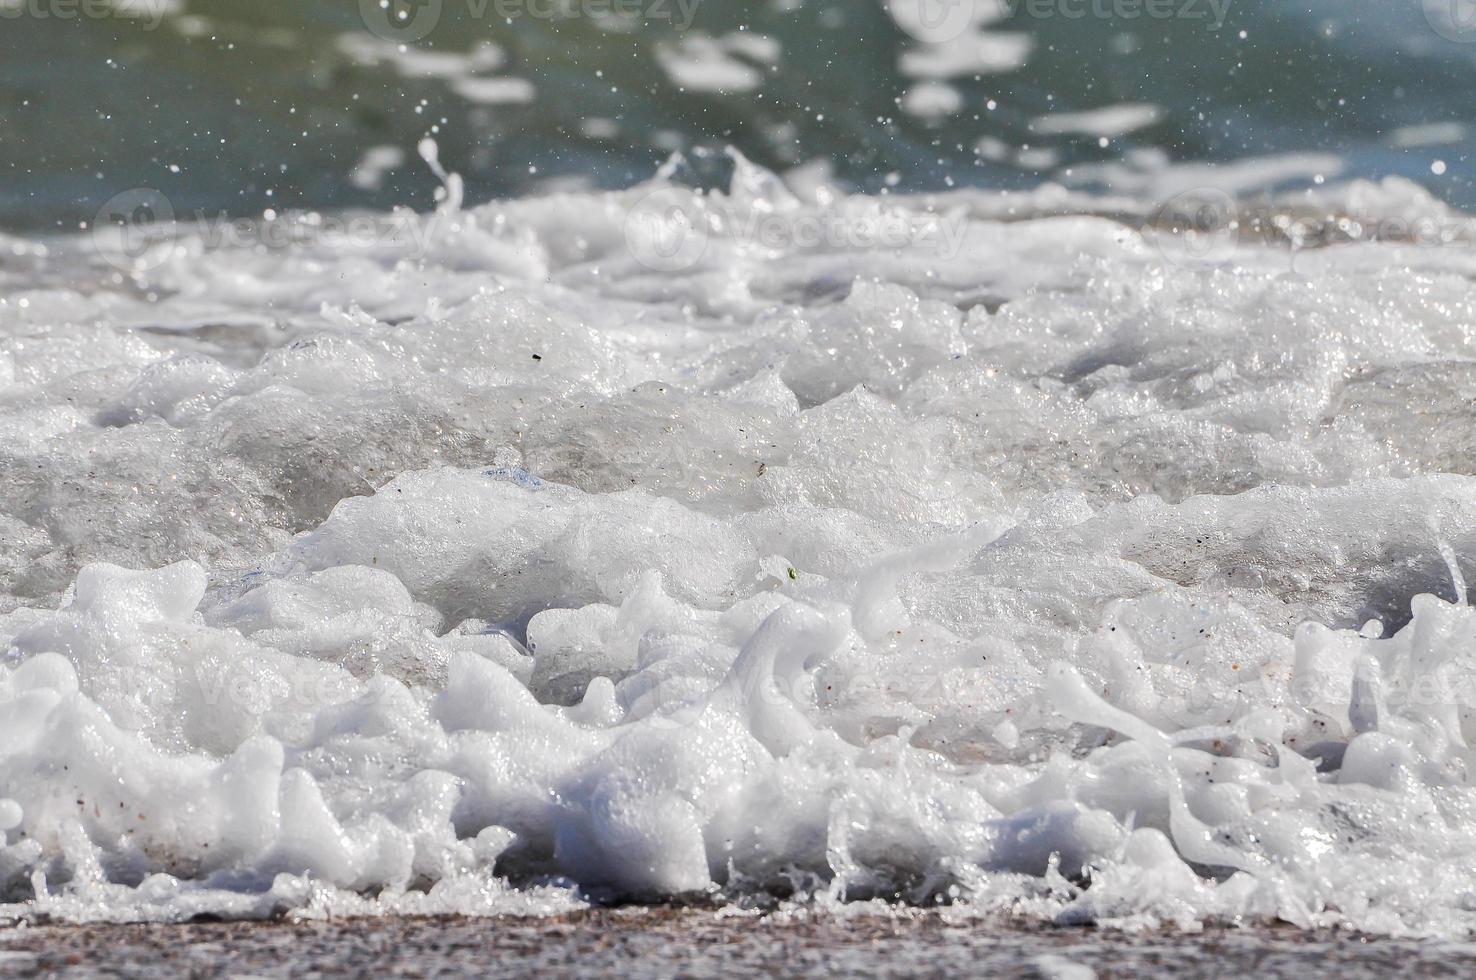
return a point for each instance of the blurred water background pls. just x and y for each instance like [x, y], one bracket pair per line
[243, 106]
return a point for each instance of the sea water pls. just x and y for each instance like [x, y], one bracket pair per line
[1097, 555]
[246, 105]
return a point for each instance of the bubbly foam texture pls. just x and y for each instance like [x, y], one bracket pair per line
[482, 568]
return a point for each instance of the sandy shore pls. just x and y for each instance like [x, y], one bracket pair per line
[631, 943]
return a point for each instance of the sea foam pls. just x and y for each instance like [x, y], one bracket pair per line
[514, 556]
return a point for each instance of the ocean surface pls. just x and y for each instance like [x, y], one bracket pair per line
[486, 459]
[245, 105]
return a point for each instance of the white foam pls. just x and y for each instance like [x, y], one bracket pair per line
[1021, 563]
[971, 53]
[1108, 121]
[727, 64]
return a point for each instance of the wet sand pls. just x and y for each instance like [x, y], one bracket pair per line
[644, 942]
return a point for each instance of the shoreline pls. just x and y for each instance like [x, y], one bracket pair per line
[660, 942]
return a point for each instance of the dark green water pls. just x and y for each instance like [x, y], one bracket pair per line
[243, 105]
